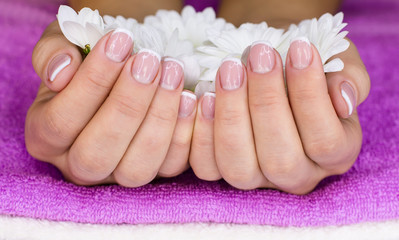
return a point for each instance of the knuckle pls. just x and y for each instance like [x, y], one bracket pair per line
[265, 102]
[238, 177]
[229, 142]
[88, 165]
[163, 116]
[55, 126]
[324, 147]
[230, 117]
[279, 171]
[202, 141]
[171, 171]
[97, 82]
[127, 106]
[206, 173]
[180, 143]
[136, 176]
[305, 96]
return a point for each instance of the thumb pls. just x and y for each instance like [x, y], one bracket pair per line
[350, 87]
[55, 59]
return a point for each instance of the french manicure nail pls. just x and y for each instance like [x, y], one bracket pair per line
[119, 45]
[145, 66]
[348, 94]
[261, 57]
[57, 65]
[300, 53]
[187, 104]
[172, 73]
[231, 73]
[208, 105]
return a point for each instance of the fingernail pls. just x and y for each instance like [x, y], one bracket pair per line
[231, 73]
[300, 53]
[208, 105]
[187, 104]
[119, 45]
[57, 65]
[172, 73]
[348, 94]
[145, 66]
[261, 57]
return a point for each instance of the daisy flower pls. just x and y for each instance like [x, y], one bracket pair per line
[192, 25]
[83, 29]
[233, 43]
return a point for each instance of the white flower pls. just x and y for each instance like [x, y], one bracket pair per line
[83, 29]
[233, 43]
[112, 23]
[192, 25]
[324, 33]
[326, 36]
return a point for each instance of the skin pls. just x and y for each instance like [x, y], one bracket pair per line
[286, 141]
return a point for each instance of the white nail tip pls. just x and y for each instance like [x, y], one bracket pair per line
[302, 39]
[209, 94]
[262, 42]
[348, 101]
[59, 69]
[122, 30]
[152, 52]
[190, 95]
[232, 59]
[169, 59]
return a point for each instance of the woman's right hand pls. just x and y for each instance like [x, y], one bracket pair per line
[112, 118]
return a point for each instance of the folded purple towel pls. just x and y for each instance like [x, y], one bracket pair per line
[368, 192]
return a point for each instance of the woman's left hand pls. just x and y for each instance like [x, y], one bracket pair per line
[261, 133]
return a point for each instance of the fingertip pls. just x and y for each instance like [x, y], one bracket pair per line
[60, 69]
[188, 105]
[343, 96]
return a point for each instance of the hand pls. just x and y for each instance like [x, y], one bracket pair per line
[257, 134]
[112, 117]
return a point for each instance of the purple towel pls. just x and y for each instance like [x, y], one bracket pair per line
[368, 192]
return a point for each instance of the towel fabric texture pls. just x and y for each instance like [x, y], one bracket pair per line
[369, 192]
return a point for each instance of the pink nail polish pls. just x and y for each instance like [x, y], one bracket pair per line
[261, 57]
[172, 73]
[348, 94]
[300, 53]
[145, 66]
[231, 73]
[57, 65]
[119, 45]
[188, 102]
[208, 105]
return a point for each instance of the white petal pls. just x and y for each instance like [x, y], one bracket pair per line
[334, 65]
[75, 33]
[66, 13]
[203, 87]
[191, 71]
[93, 34]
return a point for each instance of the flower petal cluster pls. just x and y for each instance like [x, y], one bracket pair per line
[201, 41]
[83, 29]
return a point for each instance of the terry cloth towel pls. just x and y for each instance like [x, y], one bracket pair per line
[369, 192]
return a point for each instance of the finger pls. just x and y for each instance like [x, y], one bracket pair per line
[321, 131]
[278, 145]
[176, 160]
[103, 142]
[234, 144]
[55, 59]
[65, 116]
[351, 86]
[148, 149]
[202, 155]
